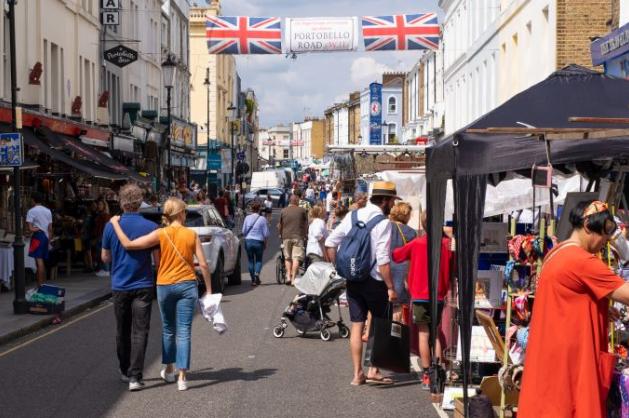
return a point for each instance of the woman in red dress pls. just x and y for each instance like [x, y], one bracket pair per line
[567, 372]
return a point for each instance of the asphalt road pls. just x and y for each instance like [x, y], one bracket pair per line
[71, 370]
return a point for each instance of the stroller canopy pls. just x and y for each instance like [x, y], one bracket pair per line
[316, 278]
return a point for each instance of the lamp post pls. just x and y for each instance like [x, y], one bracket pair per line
[232, 109]
[20, 306]
[206, 83]
[169, 69]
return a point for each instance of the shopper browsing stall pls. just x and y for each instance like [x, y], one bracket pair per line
[568, 370]
[39, 220]
[418, 285]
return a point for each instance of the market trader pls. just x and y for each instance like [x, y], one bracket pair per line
[568, 370]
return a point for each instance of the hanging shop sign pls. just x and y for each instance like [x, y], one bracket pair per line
[269, 35]
[110, 15]
[182, 134]
[375, 114]
[320, 34]
[121, 56]
[11, 150]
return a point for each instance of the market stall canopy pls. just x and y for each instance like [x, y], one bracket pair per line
[87, 167]
[471, 159]
[92, 154]
[572, 91]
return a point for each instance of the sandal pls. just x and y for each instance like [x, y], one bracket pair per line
[359, 382]
[56, 320]
[379, 380]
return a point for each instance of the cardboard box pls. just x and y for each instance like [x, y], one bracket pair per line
[39, 308]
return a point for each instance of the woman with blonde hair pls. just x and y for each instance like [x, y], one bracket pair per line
[177, 292]
[401, 234]
[317, 233]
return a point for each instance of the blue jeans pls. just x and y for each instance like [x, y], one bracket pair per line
[176, 306]
[255, 250]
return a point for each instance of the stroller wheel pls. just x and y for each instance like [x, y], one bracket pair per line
[343, 331]
[325, 334]
[278, 331]
[300, 332]
[283, 324]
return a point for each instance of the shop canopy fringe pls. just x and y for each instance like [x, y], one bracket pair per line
[471, 159]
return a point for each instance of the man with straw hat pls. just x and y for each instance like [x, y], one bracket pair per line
[373, 294]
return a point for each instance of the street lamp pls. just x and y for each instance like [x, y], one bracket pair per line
[20, 306]
[232, 110]
[169, 69]
[206, 83]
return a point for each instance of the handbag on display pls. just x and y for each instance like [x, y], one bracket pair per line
[388, 346]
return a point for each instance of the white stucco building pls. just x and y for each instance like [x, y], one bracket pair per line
[60, 37]
[492, 50]
[424, 99]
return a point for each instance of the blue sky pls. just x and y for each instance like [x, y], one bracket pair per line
[289, 89]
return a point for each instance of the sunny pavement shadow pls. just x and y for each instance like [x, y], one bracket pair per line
[226, 375]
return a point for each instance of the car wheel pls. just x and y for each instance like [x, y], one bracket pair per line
[235, 278]
[218, 277]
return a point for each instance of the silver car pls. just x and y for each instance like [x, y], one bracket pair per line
[220, 245]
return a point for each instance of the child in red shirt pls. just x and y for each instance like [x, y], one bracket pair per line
[418, 285]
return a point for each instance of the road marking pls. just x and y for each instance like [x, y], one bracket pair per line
[52, 331]
[441, 412]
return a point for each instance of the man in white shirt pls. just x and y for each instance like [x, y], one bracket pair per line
[310, 194]
[374, 294]
[39, 221]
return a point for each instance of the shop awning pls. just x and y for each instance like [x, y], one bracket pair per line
[87, 167]
[93, 155]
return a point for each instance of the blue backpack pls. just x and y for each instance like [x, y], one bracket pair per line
[353, 260]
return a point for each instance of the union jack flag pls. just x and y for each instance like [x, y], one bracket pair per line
[401, 32]
[244, 35]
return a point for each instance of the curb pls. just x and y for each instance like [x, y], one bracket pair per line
[47, 320]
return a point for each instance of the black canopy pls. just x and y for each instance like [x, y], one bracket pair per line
[470, 159]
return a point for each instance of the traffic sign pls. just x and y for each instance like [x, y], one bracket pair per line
[240, 156]
[11, 150]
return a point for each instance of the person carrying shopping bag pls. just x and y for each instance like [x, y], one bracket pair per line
[255, 231]
[177, 292]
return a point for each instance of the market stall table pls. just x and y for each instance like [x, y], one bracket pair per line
[6, 262]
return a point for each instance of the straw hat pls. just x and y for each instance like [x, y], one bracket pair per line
[384, 188]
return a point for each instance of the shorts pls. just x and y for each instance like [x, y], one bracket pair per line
[294, 249]
[39, 245]
[368, 296]
[422, 313]
[268, 210]
[314, 258]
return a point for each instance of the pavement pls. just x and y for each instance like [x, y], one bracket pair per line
[82, 292]
[70, 370]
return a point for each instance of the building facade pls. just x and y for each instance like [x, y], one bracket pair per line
[355, 136]
[280, 143]
[494, 49]
[423, 100]
[222, 94]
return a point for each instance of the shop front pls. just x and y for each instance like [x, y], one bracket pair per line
[183, 139]
[612, 51]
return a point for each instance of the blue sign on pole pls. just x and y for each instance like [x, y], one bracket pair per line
[11, 146]
[375, 114]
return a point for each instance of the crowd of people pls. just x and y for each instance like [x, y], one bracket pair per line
[315, 223]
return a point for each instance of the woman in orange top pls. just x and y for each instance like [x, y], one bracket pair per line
[177, 292]
[568, 370]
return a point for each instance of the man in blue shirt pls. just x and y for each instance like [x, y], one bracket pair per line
[133, 286]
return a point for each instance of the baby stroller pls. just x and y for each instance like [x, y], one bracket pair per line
[319, 288]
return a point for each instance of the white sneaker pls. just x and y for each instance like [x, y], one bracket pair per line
[168, 377]
[135, 385]
[102, 273]
[182, 384]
